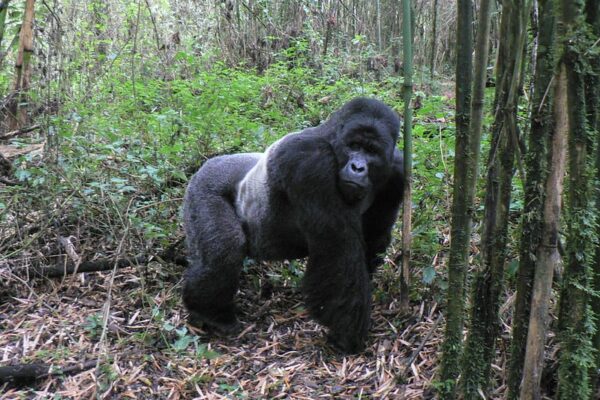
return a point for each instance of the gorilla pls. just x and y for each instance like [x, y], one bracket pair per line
[331, 193]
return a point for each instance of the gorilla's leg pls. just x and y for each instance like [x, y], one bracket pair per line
[379, 219]
[217, 246]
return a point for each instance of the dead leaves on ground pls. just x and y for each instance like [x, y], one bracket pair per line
[147, 351]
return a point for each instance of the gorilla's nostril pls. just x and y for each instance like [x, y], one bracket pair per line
[357, 168]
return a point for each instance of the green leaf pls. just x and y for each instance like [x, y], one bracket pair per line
[168, 326]
[182, 343]
[428, 275]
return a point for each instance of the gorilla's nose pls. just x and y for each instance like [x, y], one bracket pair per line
[359, 168]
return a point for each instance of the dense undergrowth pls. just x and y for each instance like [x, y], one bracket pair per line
[121, 146]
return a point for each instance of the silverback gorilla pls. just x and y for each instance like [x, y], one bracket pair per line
[331, 193]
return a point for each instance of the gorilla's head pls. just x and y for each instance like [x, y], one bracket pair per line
[366, 131]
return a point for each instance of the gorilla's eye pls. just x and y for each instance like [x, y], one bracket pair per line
[355, 146]
[364, 147]
[369, 148]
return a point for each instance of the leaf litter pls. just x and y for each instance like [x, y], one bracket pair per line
[143, 347]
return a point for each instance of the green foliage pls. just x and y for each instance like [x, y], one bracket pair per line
[179, 339]
[231, 391]
[108, 375]
[433, 154]
[576, 360]
[56, 355]
[93, 325]
[127, 138]
[444, 388]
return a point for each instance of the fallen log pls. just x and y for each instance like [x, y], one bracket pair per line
[173, 253]
[21, 131]
[56, 271]
[25, 374]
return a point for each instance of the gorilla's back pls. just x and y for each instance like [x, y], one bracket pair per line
[221, 175]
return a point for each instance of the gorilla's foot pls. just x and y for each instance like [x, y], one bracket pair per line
[223, 325]
[345, 344]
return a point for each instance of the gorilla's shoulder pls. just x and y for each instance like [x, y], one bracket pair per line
[302, 159]
[227, 160]
[307, 140]
[223, 172]
[301, 148]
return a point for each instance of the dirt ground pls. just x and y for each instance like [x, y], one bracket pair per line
[146, 351]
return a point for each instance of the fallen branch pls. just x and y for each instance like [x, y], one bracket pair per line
[10, 134]
[56, 271]
[25, 374]
[418, 350]
[7, 182]
[173, 253]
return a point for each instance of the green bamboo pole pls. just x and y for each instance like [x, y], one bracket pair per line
[476, 362]
[576, 355]
[3, 12]
[407, 201]
[462, 204]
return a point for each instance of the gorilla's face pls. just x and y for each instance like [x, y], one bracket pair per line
[364, 154]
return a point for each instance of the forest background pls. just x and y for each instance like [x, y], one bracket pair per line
[108, 107]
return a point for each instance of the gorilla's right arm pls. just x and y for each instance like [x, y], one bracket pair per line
[379, 219]
[336, 283]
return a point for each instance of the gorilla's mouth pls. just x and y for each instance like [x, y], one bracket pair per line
[353, 184]
[352, 191]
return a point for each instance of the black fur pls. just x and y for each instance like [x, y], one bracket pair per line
[331, 193]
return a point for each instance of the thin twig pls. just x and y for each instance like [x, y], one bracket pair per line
[17, 132]
[425, 340]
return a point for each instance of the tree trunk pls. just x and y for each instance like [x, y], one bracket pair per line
[574, 321]
[462, 204]
[3, 12]
[330, 24]
[489, 279]
[379, 44]
[17, 110]
[536, 164]
[592, 89]
[407, 201]
[547, 252]
[475, 363]
[433, 40]
[99, 19]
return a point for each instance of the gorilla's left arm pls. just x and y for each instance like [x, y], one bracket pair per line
[336, 282]
[379, 219]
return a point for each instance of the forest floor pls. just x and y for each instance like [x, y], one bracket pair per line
[146, 351]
